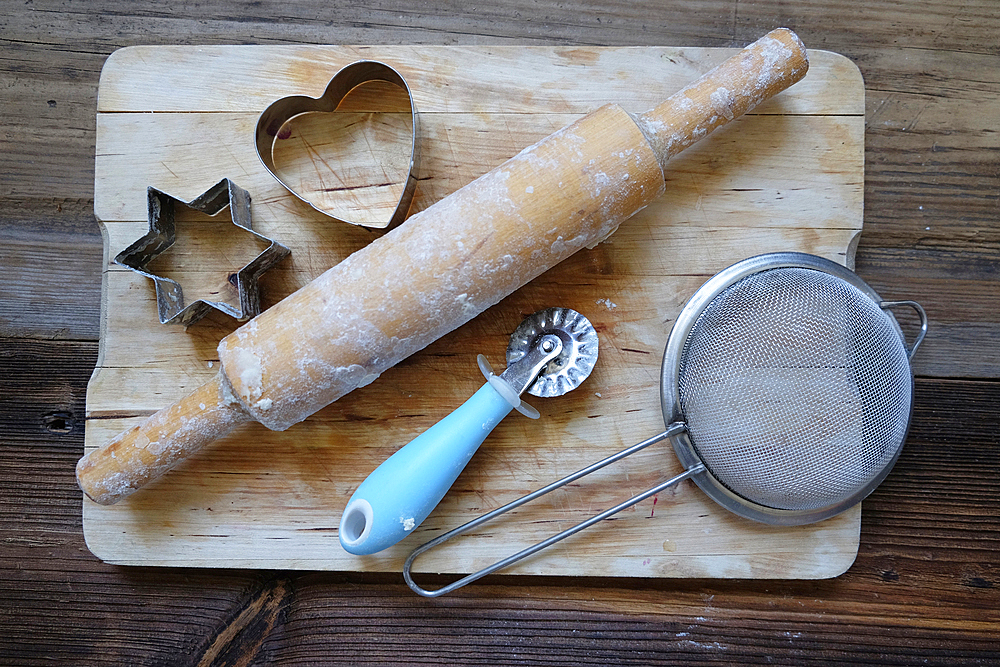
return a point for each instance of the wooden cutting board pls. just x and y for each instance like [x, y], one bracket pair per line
[788, 177]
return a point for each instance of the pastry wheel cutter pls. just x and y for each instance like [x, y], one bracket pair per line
[549, 354]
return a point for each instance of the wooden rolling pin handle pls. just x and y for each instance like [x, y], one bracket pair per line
[760, 71]
[151, 448]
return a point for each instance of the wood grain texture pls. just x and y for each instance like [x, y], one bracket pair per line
[51, 253]
[924, 589]
[258, 499]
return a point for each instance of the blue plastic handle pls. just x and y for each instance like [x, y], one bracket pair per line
[401, 492]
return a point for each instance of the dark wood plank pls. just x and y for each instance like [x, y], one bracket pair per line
[932, 189]
[51, 253]
[58, 602]
[961, 293]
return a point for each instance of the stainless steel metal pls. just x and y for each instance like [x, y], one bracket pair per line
[808, 346]
[921, 313]
[510, 560]
[520, 374]
[800, 401]
[171, 306]
[576, 361]
[569, 342]
[347, 79]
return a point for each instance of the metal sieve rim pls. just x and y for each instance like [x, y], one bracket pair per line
[670, 376]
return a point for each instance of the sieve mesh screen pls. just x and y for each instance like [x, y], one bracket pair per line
[796, 389]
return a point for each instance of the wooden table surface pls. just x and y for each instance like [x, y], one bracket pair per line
[925, 588]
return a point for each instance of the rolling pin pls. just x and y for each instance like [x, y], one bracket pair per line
[444, 266]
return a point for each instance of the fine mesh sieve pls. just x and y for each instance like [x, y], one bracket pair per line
[786, 390]
[793, 381]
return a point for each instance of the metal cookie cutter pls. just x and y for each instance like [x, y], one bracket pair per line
[162, 234]
[350, 77]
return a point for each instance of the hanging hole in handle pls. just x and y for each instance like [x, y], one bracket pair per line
[921, 313]
[356, 522]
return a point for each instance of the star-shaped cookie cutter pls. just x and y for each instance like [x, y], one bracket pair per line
[162, 234]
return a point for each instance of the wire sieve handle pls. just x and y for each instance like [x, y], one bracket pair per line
[887, 305]
[673, 429]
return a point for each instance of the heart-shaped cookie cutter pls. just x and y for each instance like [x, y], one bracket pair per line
[346, 80]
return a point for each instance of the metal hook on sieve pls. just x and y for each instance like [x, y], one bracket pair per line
[921, 313]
